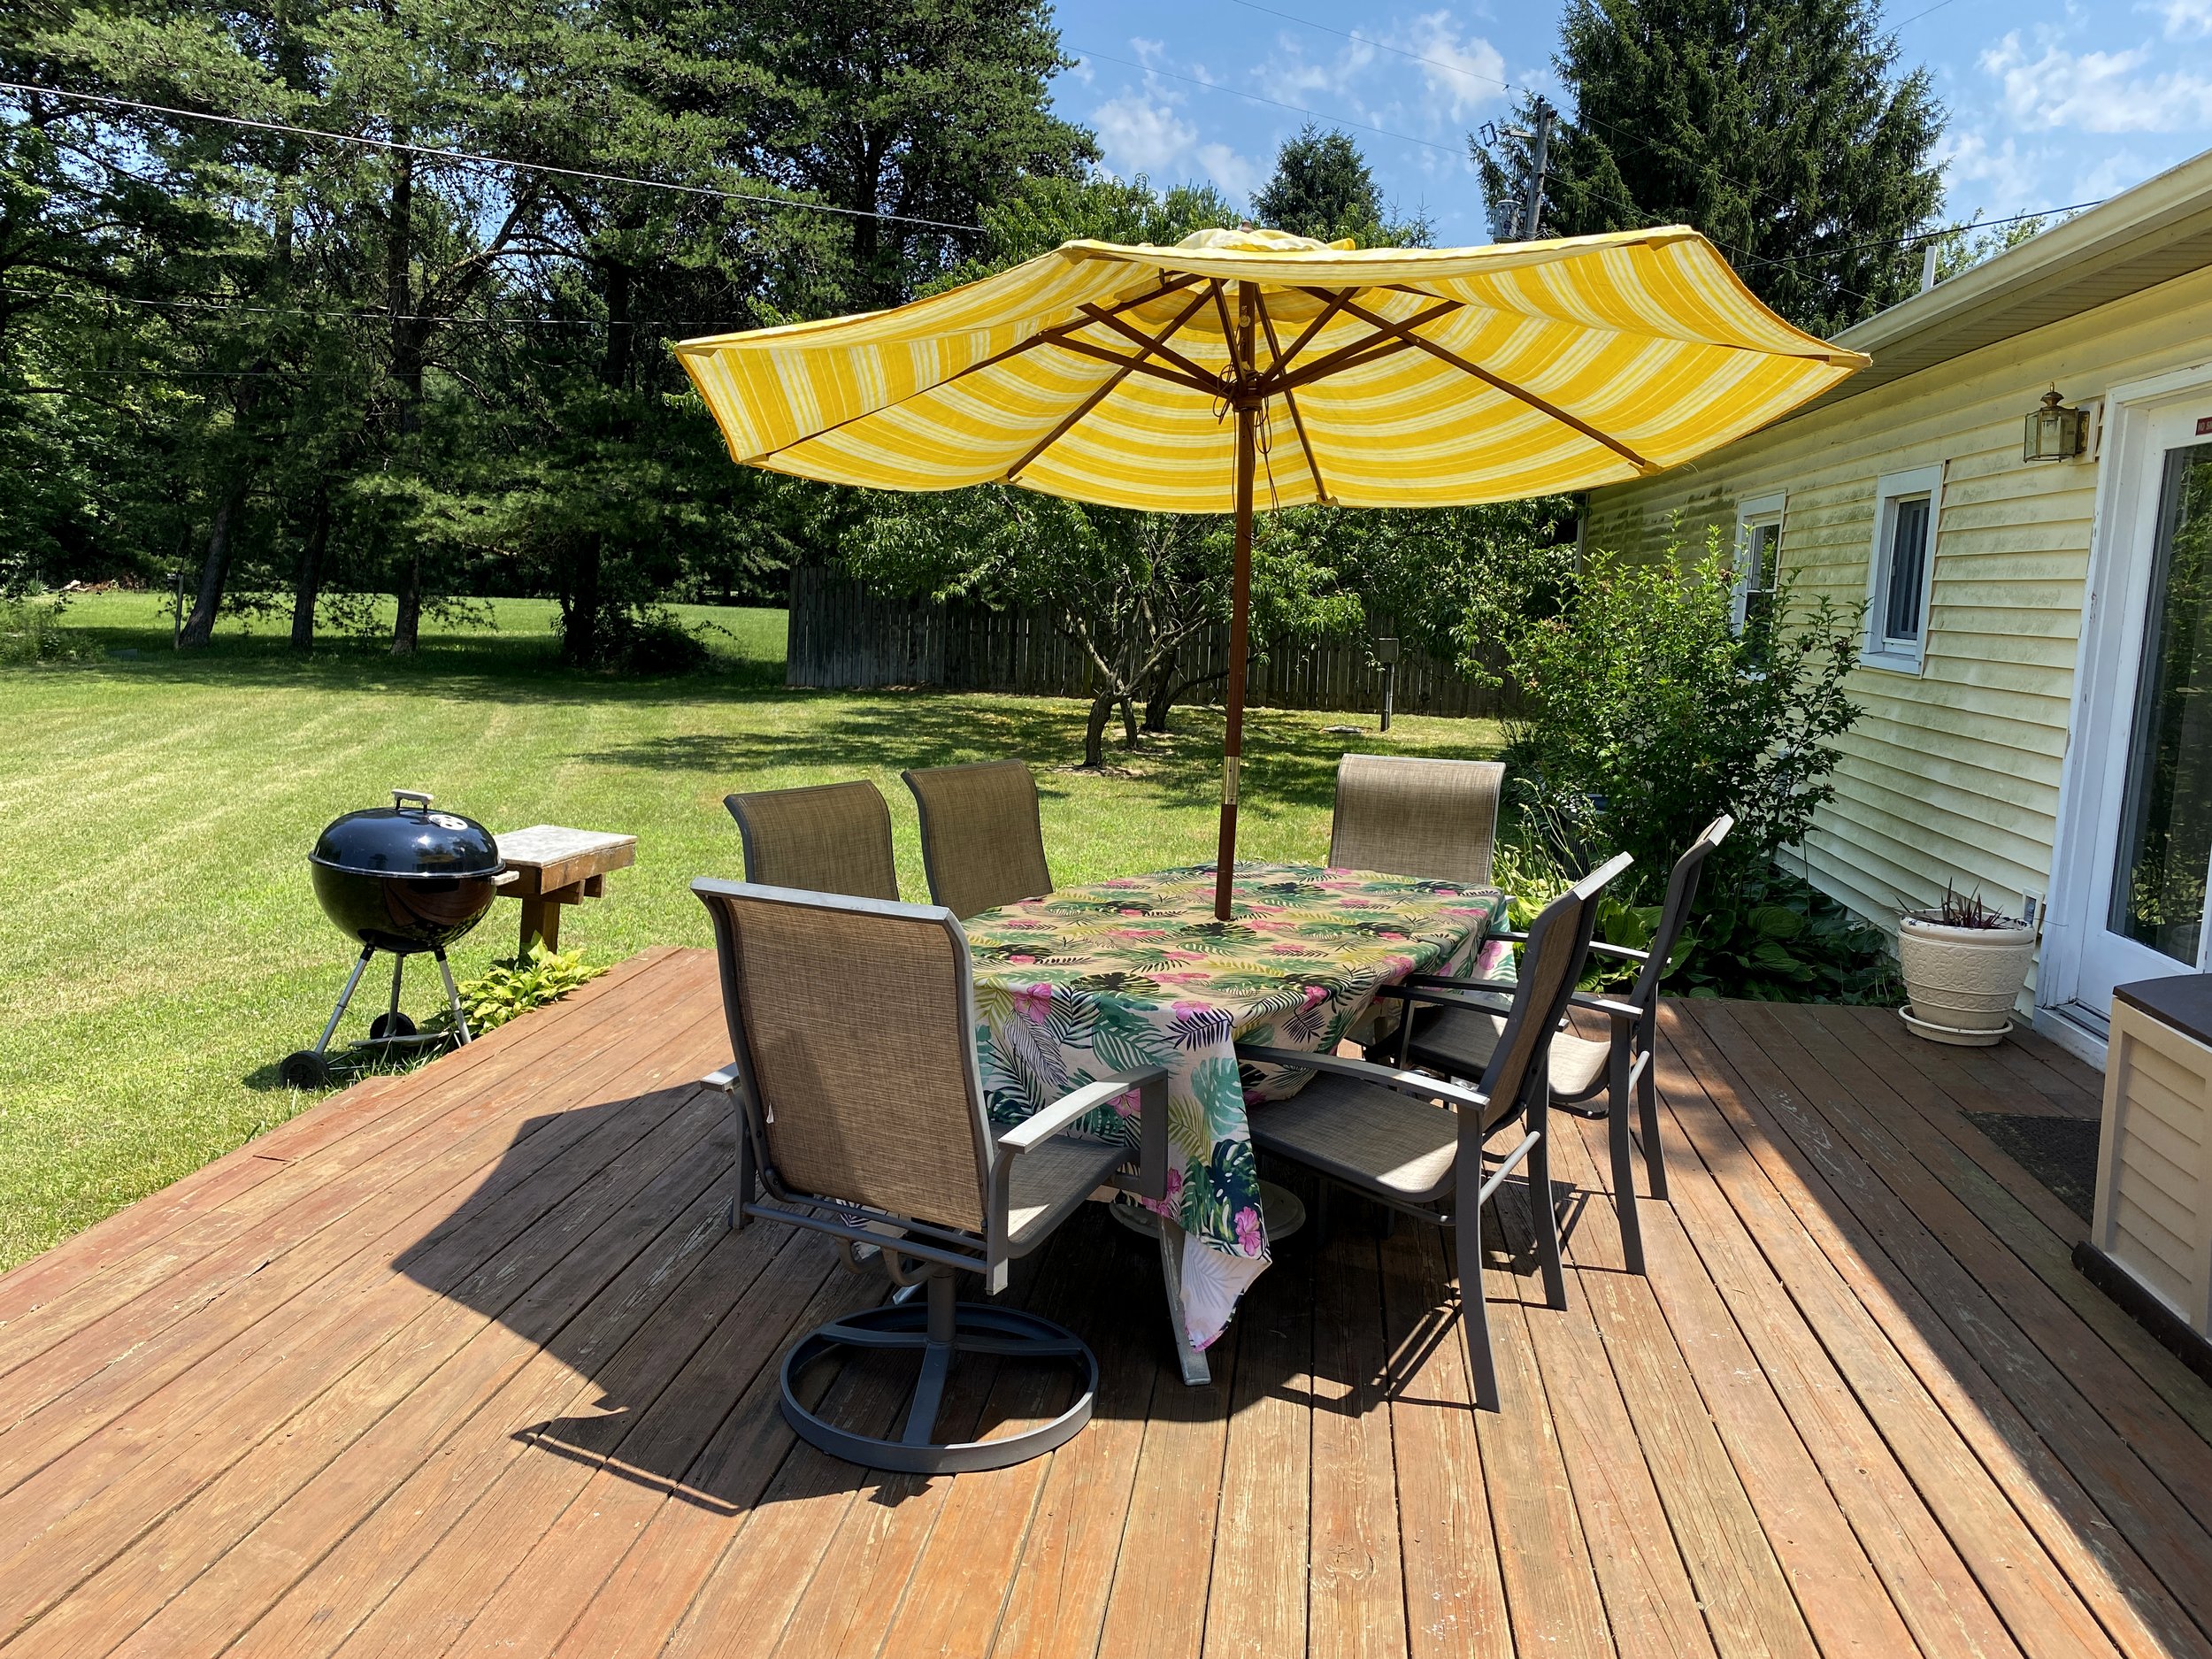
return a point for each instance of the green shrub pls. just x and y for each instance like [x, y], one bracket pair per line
[1659, 715]
[31, 632]
[516, 987]
[1652, 715]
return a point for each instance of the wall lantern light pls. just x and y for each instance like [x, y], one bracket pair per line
[2054, 433]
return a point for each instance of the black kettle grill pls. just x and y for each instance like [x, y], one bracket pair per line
[401, 879]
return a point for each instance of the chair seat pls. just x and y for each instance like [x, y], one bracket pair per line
[1052, 1179]
[1366, 1134]
[1459, 1042]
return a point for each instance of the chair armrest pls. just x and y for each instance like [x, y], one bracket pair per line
[726, 1079]
[1598, 948]
[1506, 933]
[1415, 1083]
[1040, 1126]
[1607, 1005]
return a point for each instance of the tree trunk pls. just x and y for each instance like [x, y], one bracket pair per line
[1161, 699]
[407, 622]
[1095, 731]
[199, 627]
[1128, 723]
[580, 629]
[307, 588]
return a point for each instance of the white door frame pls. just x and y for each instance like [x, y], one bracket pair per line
[2105, 673]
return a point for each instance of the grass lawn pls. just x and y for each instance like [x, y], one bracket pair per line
[163, 950]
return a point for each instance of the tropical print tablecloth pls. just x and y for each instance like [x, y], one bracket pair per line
[1136, 971]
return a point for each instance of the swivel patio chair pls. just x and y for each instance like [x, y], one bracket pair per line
[1454, 1027]
[828, 838]
[1405, 817]
[1375, 1129]
[861, 1115]
[983, 843]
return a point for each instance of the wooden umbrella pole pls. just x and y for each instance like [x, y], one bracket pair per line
[1239, 625]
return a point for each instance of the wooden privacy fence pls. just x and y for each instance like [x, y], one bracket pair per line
[844, 636]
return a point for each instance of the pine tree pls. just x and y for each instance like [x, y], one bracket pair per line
[1323, 187]
[1781, 128]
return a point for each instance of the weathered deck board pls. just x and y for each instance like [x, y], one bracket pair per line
[464, 1362]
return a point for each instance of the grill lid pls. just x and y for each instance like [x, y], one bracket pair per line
[408, 839]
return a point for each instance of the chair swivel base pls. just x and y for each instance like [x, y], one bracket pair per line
[917, 1325]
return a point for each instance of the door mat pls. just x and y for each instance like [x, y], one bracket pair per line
[2060, 1152]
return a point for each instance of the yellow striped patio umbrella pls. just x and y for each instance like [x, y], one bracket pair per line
[1190, 379]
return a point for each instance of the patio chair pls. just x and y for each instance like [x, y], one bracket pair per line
[1457, 1036]
[860, 1115]
[983, 843]
[1417, 1143]
[1404, 817]
[826, 838]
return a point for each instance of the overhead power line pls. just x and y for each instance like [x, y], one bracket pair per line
[436, 152]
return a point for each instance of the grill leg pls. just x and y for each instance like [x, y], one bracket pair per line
[391, 1016]
[453, 997]
[338, 1013]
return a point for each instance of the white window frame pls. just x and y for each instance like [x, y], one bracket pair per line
[1754, 513]
[1900, 656]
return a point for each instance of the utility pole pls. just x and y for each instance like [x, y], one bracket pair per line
[1539, 161]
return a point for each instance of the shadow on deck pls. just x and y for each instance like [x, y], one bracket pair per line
[466, 1360]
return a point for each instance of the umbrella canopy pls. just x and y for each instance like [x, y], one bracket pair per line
[1187, 379]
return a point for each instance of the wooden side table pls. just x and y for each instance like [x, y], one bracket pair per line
[556, 866]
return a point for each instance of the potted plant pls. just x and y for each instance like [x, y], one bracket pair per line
[1963, 965]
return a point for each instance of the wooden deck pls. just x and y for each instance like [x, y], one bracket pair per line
[464, 1362]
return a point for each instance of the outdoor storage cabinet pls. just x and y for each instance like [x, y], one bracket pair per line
[2153, 1216]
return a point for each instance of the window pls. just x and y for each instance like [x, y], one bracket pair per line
[1901, 568]
[1758, 558]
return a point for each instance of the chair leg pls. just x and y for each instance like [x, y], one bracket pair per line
[929, 1388]
[1474, 1306]
[1544, 1217]
[1647, 1099]
[1196, 1372]
[1623, 1160]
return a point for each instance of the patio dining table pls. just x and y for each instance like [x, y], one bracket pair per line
[1135, 971]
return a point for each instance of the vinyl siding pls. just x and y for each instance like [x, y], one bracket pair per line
[1952, 775]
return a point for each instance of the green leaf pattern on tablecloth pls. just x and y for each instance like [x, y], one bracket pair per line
[1135, 972]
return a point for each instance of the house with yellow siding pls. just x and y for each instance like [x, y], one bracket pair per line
[2037, 593]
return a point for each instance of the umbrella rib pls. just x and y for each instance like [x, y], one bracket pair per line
[1281, 365]
[1084, 347]
[1290, 398]
[1358, 353]
[1100, 395]
[1154, 342]
[1445, 355]
[1043, 337]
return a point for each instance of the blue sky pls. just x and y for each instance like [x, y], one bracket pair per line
[2051, 102]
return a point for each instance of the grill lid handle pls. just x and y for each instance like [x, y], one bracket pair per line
[401, 797]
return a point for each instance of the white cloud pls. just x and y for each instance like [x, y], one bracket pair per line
[2096, 92]
[1968, 157]
[1141, 135]
[1465, 77]
[2185, 20]
[1237, 174]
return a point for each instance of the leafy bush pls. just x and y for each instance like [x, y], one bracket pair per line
[31, 632]
[1652, 715]
[514, 986]
[1651, 706]
[652, 640]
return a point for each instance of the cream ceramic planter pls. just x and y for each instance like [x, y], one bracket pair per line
[1962, 982]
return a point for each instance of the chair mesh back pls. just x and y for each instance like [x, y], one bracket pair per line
[832, 838]
[982, 843]
[1681, 894]
[850, 1029]
[1550, 963]
[1437, 819]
